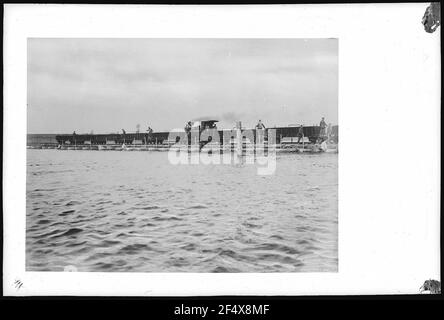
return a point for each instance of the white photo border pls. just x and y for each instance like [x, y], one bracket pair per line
[389, 162]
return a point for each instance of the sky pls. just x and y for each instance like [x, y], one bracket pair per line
[105, 85]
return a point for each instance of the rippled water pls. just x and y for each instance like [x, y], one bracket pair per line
[134, 211]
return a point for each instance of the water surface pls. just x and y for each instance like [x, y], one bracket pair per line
[134, 211]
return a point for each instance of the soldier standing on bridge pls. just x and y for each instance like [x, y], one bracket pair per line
[260, 125]
[124, 135]
[188, 131]
[149, 135]
[259, 133]
[323, 126]
[301, 133]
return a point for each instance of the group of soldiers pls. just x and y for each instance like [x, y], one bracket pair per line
[324, 133]
[148, 136]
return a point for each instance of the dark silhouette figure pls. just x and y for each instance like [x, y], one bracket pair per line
[188, 131]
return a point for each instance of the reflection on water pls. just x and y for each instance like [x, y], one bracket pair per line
[134, 211]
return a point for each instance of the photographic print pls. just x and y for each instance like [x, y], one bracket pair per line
[194, 151]
[182, 155]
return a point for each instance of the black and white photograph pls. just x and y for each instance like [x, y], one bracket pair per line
[182, 155]
[221, 150]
